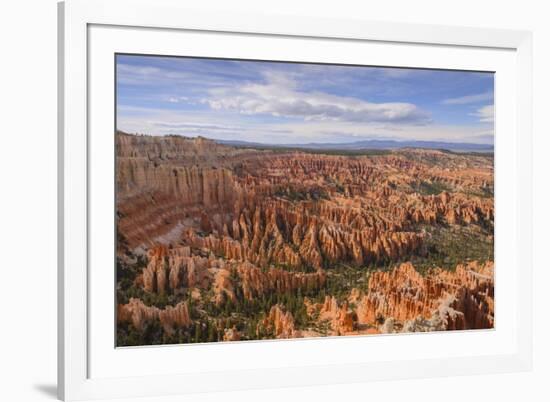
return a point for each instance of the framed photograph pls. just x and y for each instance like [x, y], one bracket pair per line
[254, 201]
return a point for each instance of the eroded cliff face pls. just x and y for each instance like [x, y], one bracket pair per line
[256, 282]
[402, 300]
[463, 299]
[171, 270]
[163, 183]
[227, 243]
[245, 202]
[138, 314]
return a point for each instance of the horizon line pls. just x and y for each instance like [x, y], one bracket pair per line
[379, 139]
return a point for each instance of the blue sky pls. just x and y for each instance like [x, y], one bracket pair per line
[283, 103]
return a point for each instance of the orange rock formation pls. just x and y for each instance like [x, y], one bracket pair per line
[462, 299]
[241, 203]
[138, 314]
[226, 224]
[340, 317]
[279, 323]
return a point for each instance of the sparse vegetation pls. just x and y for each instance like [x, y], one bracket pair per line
[425, 187]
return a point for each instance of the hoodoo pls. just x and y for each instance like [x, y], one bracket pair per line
[225, 243]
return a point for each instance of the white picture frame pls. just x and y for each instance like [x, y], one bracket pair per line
[80, 35]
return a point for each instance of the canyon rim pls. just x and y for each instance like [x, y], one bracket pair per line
[273, 200]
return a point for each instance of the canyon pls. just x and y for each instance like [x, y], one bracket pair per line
[226, 243]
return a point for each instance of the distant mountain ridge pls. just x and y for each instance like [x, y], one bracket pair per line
[371, 144]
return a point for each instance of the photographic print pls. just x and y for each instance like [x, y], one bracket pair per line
[262, 200]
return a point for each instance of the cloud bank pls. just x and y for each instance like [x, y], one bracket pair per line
[279, 97]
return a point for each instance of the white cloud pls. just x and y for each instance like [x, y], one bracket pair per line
[178, 99]
[486, 114]
[483, 97]
[279, 97]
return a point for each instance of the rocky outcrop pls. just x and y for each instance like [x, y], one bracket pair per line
[443, 318]
[170, 269]
[450, 300]
[167, 185]
[456, 209]
[138, 314]
[256, 282]
[223, 227]
[208, 187]
[402, 300]
[176, 149]
[292, 209]
[164, 181]
[279, 233]
[279, 324]
[341, 318]
[224, 288]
